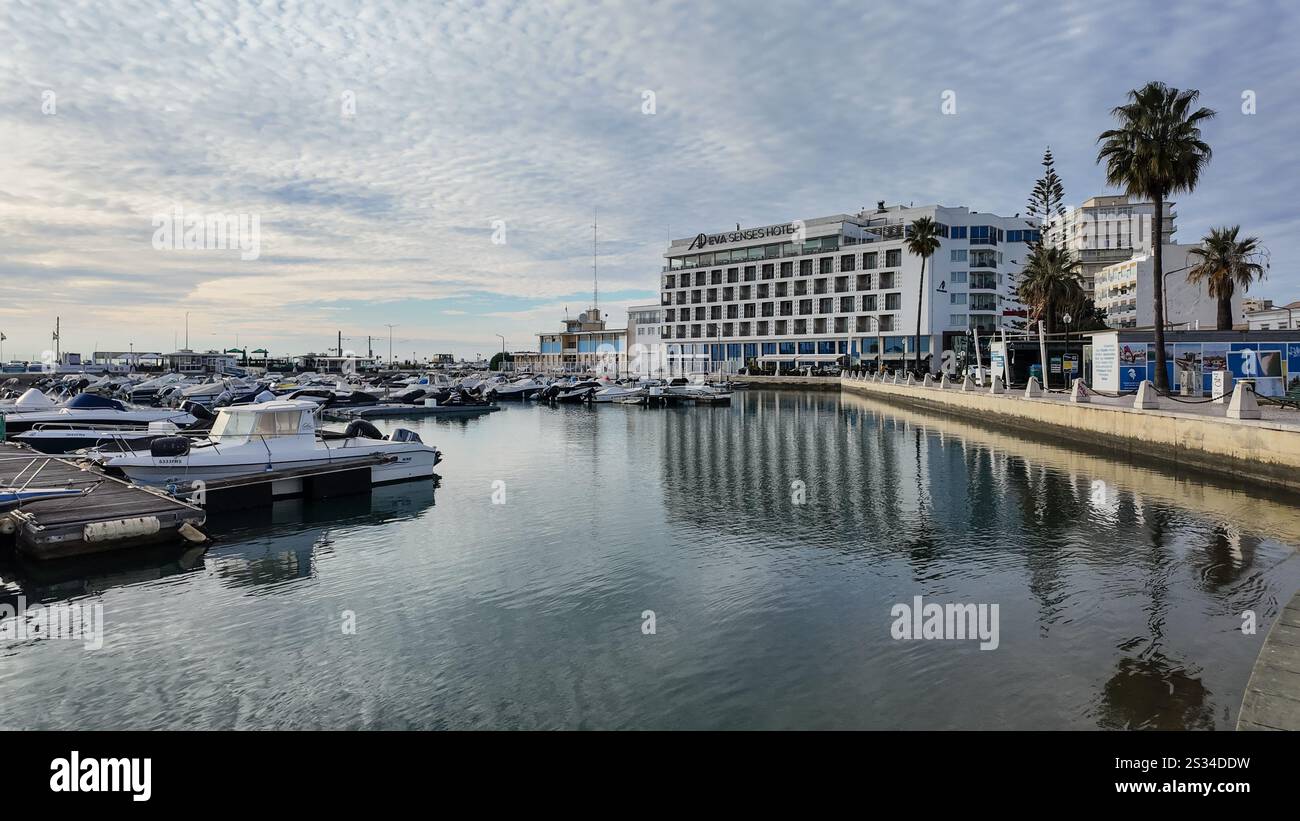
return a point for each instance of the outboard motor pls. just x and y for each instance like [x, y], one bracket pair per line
[169, 446]
[198, 411]
[404, 435]
[361, 429]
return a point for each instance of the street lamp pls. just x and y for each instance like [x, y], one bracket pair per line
[1067, 319]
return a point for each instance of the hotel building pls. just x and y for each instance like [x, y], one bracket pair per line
[1125, 292]
[805, 292]
[1107, 230]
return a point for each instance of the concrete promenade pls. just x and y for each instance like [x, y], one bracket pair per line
[1272, 699]
[1199, 435]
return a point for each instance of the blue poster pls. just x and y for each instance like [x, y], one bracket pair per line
[1132, 365]
[1261, 363]
[1293, 366]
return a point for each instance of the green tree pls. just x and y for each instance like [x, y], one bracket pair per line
[498, 358]
[1155, 152]
[1047, 200]
[1226, 263]
[1050, 285]
[922, 241]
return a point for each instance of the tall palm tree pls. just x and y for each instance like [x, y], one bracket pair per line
[1226, 263]
[922, 241]
[1156, 151]
[1050, 284]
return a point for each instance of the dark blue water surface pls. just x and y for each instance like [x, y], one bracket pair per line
[770, 539]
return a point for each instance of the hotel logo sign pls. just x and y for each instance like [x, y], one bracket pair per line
[787, 229]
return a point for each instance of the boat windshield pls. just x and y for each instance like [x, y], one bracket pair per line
[240, 425]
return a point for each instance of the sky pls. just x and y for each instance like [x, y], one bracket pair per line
[438, 166]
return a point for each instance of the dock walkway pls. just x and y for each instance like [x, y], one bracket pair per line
[1272, 700]
[111, 515]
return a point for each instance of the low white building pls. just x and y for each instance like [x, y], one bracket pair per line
[1274, 318]
[1125, 292]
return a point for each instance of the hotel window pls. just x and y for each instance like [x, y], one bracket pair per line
[958, 232]
[846, 304]
[712, 295]
[715, 277]
[733, 275]
[957, 255]
[869, 261]
[782, 289]
[893, 258]
[782, 327]
[733, 312]
[746, 291]
[787, 308]
[670, 281]
[715, 312]
[864, 282]
[786, 348]
[958, 277]
[699, 279]
[769, 271]
[819, 286]
[787, 269]
[819, 326]
[800, 326]
[671, 316]
[764, 291]
[826, 265]
[762, 329]
[711, 330]
[893, 302]
[841, 324]
[769, 309]
[728, 294]
[695, 332]
[800, 287]
[825, 306]
[956, 299]
[726, 329]
[749, 311]
[681, 297]
[751, 273]
[744, 329]
[805, 267]
[848, 262]
[984, 235]
[886, 280]
[841, 284]
[869, 302]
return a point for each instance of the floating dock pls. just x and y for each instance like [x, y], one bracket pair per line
[1272, 700]
[111, 515]
[380, 411]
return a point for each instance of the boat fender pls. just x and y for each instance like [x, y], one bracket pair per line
[7, 526]
[118, 529]
[192, 534]
[361, 429]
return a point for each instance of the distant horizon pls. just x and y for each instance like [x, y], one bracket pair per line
[358, 167]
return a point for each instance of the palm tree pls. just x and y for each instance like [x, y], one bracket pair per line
[1050, 284]
[922, 241]
[1225, 264]
[1156, 151]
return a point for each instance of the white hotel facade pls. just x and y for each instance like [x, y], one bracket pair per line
[805, 292]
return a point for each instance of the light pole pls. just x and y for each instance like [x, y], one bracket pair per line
[390, 343]
[187, 330]
[503, 350]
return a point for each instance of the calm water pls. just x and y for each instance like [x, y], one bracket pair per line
[1120, 588]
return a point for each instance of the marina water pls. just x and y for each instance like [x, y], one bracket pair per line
[707, 567]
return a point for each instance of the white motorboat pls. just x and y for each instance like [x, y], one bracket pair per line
[91, 410]
[518, 390]
[617, 393]
[280, 435]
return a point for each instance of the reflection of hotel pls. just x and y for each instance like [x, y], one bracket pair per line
[806, 292]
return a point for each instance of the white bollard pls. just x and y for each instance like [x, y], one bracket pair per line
[997, 387]
[1033, 390]
[1243, 404]
[1146, 397]
[968, 384]
[1078, 393]
[928, 381]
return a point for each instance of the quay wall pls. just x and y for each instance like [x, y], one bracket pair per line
[814, 383]
[1265, 452]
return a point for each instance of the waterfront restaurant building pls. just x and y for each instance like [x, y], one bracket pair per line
[583, 345]
[804, 293]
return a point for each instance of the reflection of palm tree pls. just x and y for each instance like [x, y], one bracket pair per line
[1227, 556]
[1154, 693]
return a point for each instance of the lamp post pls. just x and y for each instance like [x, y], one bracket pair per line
[390, 343]
[503, 350]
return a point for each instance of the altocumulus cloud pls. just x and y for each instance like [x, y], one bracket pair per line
[378, 145]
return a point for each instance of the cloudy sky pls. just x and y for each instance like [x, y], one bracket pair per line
[383, 147]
